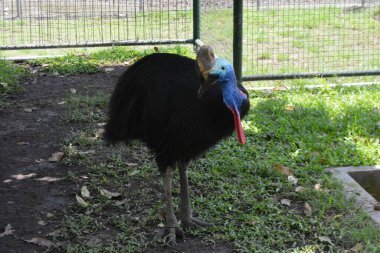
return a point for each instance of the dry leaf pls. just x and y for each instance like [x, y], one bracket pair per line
[325, 239]
[49, 215]
[81, 201]
[121, 202]
[317, 187]
[285, 202]
[109, 69]
[280, 88]
[55, 233]
[293, 179]
[88, 152]
[42, 223]
[84, 192]
[161, 225]
[23, 143]
[252, 222]
[56, 157]
[300, 189]
[28, 110]
[8, 230]
[133, 172]
[110, 195]
[132, 164]
[357, 248]
[283, 170]
[41, 242]
[62, 103]
[101, 124]
[73, 91]
[307, 209]
[289, 107]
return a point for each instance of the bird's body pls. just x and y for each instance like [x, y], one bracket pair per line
[159, 101]
[156, 102]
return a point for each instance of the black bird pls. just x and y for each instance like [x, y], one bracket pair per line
[179, 107]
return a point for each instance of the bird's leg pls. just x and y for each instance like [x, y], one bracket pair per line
[172, 228]
[186, 212]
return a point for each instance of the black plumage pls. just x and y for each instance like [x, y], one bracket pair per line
[157, 100]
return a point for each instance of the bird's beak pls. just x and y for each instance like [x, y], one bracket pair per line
[205, 62]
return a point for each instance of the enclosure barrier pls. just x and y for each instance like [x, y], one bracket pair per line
[265, 39]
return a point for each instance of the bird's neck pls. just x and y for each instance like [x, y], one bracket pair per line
[233, 97]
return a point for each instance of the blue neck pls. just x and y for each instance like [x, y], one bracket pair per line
[232, 96]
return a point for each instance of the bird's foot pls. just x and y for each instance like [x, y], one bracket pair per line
[171, 234]
[193, 222]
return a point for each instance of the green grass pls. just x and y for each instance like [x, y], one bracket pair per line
[235, 186]
[9, 75]
[91, 62]
[316, 39]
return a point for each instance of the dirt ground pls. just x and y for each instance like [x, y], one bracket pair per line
[33, 191]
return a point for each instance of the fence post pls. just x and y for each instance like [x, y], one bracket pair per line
[238, 38]
[196, 20]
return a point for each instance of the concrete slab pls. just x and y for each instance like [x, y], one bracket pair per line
[353, 189]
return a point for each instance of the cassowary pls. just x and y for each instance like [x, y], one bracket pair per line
[179, 107]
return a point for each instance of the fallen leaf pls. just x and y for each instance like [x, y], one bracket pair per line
[132, 172]
[81, 201]
[41, 242]
[8, 230]
[307, 209]
[121, 202]
[62, 102]
[99, 133]
[132, 164]
[325, 239]
[285, 202]
[23, 143]
[109, 69]
[28, 110]
[39, 160]
[5, 85]
[55, 233]
[280, 88]
[300, 189]
[85, 192]
[357, 248]
[110, 195]
[317, 187]
[101, 124]
[42, 223]
[283, 170]
[88, 152]
[292, 179]
[73, 91]
[49, 215]
[289, 107]
[56, 157]
[252, 222]
[161, 225]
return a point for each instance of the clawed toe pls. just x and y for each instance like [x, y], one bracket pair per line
[193, 222]
[171, 235]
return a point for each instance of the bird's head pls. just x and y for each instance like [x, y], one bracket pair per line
[218, 71]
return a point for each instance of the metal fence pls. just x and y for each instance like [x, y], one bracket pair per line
[304, 38]
[266, 39]
[73, 23]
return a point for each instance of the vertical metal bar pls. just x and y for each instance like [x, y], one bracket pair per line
[196, 20]
[238, 38]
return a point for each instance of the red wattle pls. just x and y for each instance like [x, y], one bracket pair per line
[238, 127]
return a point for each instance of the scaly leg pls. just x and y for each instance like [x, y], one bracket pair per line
[172, 228]
[186, 212]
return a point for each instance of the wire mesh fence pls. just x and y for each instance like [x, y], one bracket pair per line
[59, 23]
[310, 36]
